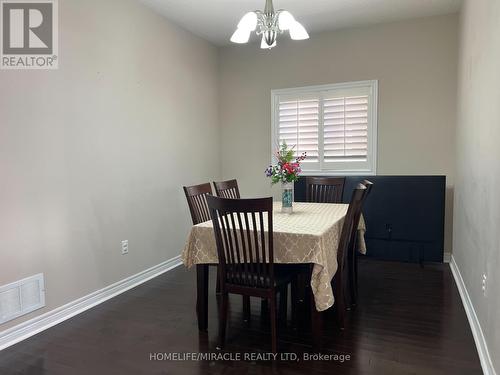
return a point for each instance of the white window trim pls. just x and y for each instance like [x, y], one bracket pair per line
[372, 155]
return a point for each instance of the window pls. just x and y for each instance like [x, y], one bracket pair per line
[335, 124]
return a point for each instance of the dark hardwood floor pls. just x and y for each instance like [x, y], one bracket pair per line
[410, 321]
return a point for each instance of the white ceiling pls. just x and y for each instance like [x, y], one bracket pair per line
[215, 20]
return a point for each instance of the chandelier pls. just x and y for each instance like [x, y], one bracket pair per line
[269, 24]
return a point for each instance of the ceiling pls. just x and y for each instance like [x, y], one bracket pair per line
[215, 20]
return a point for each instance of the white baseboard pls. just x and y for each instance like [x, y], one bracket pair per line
[40, 323]
[477, 332]
[447, 257]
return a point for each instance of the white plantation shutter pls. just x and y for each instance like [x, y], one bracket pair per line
[334, 124]
[345, 128]
[298, 125]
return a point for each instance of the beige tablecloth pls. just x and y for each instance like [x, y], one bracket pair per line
[310, 235]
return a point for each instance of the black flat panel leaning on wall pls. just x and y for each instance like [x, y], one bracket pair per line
[404, 216]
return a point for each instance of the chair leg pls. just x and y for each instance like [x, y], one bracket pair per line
[294, 299]
[353, 282]
[340, 303]
[283, 305]
[341, 314]
[217, 286]
[350, 280]
[246, 308]
[316, 326]
[272, 315]
[302, 279]
[223, 321]
[356, 291]
[264, 306]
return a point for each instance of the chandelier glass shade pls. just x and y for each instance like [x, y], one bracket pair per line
[268, 24]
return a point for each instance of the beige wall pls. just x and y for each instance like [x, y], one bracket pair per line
[476, 237]
[415, 62]
[97, 151]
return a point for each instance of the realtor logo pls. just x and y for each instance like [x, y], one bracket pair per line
[29, 34]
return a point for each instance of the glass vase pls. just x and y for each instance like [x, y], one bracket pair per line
[287, 197]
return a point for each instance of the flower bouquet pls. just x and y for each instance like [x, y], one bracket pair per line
[286, 172]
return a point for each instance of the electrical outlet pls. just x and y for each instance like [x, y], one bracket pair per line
[124, 247]
[484, 284]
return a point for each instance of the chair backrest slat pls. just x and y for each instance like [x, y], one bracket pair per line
[229, 244]
[324, 189]
[243, 255]
[251, 255]
[244, 237]
[265, 263]
[227, 189]
[237, 250]
[197, 201]
[258, 262]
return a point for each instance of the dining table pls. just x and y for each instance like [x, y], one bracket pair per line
[309, 235]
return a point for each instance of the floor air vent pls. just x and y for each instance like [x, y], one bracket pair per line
[21, 297]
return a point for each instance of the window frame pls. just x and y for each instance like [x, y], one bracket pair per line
[371, 162]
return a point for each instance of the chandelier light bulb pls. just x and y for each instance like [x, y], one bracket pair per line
[298, 32]
[241, 36]
[248, 22]
[285, 20]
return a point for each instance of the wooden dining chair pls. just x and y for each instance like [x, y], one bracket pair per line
[341, 280]
[353, 252]
[318, 190]
[197, 201]
[227, 189]
[196, 197]
[244, 236]
[324, 189]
